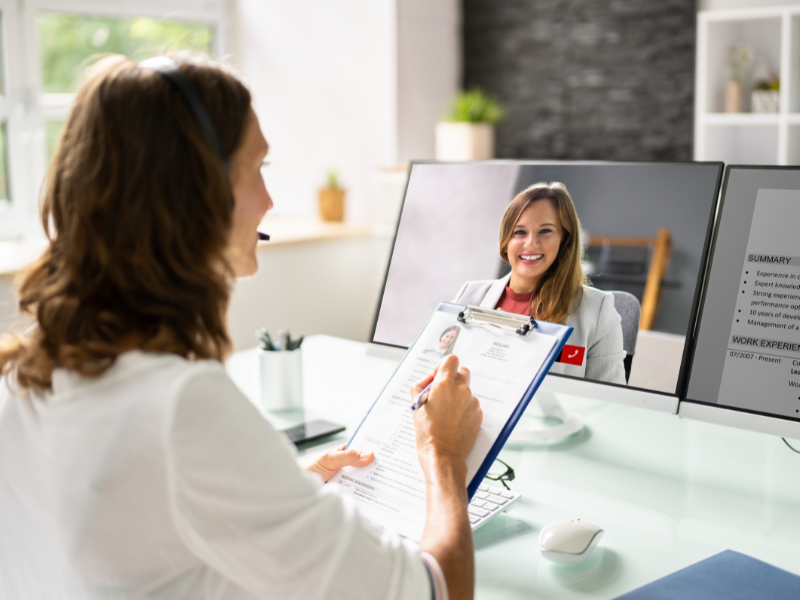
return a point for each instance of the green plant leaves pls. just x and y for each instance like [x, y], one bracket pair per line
[474, 106]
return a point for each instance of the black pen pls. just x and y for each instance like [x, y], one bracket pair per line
[295, 345]
[266, 340]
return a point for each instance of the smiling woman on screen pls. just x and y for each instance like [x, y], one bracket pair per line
[540, 237]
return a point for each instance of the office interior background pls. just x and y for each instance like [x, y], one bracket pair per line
[358, 86]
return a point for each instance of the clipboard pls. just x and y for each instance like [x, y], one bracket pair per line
[510, 324]
[521, 325]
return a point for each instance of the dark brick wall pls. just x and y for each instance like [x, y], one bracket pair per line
[586, 79]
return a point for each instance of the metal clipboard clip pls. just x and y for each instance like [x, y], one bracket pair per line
[520, 324]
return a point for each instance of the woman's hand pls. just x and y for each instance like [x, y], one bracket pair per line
[446, 427]
[447, 424]
[327, 465]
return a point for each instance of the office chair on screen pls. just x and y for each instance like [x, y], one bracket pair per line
[630, 312]
[636, 265]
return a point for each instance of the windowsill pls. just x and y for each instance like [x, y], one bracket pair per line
[16, 255]
[293, 230]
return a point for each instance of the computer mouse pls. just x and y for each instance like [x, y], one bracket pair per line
[569, 542]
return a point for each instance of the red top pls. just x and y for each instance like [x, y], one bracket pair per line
[515, 303]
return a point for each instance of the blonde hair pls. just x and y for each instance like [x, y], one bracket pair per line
[137, 209]
[561, 288]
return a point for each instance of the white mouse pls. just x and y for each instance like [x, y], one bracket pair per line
[569, 541]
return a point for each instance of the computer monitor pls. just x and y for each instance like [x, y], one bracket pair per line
[448, 233]
[745, 361]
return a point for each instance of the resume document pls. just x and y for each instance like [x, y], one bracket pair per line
[762, 364]
[502, 364]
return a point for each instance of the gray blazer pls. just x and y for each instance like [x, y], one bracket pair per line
[597, 326]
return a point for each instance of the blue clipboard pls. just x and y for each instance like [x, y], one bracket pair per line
[479, 316]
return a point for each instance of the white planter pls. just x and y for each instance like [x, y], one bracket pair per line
[281, 379]
[765, 101]
[464, 141]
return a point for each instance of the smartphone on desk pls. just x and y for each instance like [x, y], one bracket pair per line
[312, 431]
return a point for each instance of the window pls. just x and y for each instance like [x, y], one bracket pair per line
[5, 195]
[52, 42]
[68, 43]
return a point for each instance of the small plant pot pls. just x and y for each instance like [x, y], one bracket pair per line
[464, 141]
[733, 97]
[331, 204]
[765, 101]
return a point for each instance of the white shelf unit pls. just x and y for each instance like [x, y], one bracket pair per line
[748, 138]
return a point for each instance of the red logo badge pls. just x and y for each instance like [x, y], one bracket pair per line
[571, 355]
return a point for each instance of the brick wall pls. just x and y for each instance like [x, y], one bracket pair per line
[586, 79]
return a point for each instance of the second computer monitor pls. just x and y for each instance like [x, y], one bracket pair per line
[645, 228]
[745, 370]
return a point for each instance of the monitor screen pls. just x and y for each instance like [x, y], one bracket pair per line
[645, 227]
[747, 348]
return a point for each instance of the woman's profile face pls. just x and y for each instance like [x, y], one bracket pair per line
[534, 245]
[251, 199]
[447, 339]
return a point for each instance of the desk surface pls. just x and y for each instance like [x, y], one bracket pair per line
[668, 491]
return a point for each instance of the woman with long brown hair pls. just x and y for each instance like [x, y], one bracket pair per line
[540, 237]
[130, 464]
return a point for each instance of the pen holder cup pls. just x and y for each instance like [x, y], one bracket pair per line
[281, 379]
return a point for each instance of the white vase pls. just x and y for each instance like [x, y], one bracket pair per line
[765, 101]
[464, 141]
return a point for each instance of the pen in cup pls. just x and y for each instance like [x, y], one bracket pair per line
[283, 342]
[422, 398]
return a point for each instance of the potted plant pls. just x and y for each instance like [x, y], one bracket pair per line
[739, 59]
[468, 132]
[765, 97]
[331, 199]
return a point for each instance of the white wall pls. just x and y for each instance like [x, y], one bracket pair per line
[349, 84]
[324, 87]
[326, 286]
[429, 71]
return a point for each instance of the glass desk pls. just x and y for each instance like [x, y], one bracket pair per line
[668, 492]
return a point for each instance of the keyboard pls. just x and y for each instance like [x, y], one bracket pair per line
[488, 502]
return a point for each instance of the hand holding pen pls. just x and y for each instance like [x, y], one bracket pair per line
[424, 394]
[422, 398]
[452, 414]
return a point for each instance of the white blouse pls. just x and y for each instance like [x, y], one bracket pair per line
[159, 479]
[596, 324]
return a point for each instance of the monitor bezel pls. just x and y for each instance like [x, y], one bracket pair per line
[719, 413]
[654, 399]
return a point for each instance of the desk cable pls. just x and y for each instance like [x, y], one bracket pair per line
[790, 446]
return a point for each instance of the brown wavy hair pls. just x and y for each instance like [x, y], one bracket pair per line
[560, 291]
[137, 208]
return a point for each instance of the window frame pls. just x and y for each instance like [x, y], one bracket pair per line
[26, 110]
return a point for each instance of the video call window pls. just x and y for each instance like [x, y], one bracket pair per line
[448, 234]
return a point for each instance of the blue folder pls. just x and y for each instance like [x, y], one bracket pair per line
[560, 332]
[728, 575]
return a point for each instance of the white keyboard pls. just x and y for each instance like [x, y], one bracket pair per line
[488, 502]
